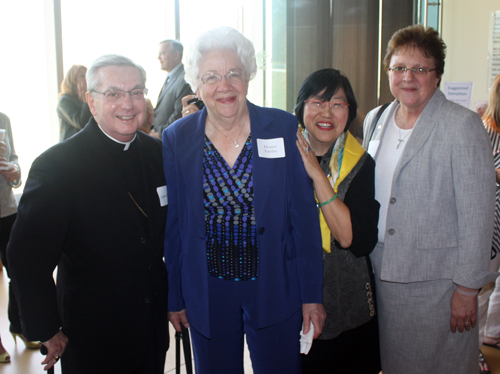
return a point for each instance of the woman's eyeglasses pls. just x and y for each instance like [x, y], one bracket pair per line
[321, 105]
[234, 76]
[399, 70]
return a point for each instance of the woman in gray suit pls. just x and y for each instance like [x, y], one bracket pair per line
[435, 182]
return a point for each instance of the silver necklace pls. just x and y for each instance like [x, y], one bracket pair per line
[236, 145]
[401, 139]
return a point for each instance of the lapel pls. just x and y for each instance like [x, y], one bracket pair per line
[169, 81]
[163, 90]
[424, 127]
[268, 174]
[190, 150]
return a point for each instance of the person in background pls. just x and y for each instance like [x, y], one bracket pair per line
[95, 207]
[435, 183]
[148, 117]
[10, 177]
[169, 106]
[489, 297]
[243, 244]
[343, 176]
[72, 108]
[480, 107]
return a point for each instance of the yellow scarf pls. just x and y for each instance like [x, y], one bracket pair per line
[352, 152]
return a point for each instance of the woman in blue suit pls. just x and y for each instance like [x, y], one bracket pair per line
[243, 244]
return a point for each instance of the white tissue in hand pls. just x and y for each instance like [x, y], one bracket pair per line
[306, 340]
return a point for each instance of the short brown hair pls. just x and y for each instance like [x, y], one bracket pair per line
[426, 40]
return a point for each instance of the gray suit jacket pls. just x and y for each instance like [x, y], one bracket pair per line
[440, 214]
[169, 106]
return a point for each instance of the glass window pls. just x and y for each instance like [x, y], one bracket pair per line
[95, 27]
[28, 78]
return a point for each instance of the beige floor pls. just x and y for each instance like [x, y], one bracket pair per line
[27, 361]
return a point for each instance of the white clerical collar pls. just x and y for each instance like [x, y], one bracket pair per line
[126, 144]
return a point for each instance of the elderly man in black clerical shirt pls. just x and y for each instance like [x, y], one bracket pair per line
[95, 206]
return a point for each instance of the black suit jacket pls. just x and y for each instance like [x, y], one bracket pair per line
[76, 213]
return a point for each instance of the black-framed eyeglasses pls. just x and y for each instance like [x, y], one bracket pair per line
[116, 95]
[400, 70]
[320, 105]
[234, 76]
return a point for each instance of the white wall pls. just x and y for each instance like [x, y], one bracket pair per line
[466, 31]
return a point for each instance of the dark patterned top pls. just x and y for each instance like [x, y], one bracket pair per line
[231, 237]
[495, 145]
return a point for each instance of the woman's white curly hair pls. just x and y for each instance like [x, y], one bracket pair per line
[220, 38]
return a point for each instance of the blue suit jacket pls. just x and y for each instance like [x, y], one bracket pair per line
[290, 254]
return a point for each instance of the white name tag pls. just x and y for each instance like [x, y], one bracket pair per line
[271, 148]
[162, 194]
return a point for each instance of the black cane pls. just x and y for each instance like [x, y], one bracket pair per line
[186, 346]
[43, 351]
[178, 338]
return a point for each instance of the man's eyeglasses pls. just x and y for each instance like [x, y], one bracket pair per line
[320, 105]
[234, 76]
[399, 70]
[116, 95]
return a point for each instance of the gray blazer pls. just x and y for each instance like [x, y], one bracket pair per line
[169, 106]
[440, 215]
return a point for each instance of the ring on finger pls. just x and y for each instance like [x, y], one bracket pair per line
[187, 111]
[308, 149]
[467, 322]
[56, 358]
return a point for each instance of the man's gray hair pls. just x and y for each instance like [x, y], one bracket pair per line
[110, 60]
[175, 45]
[220, 38]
